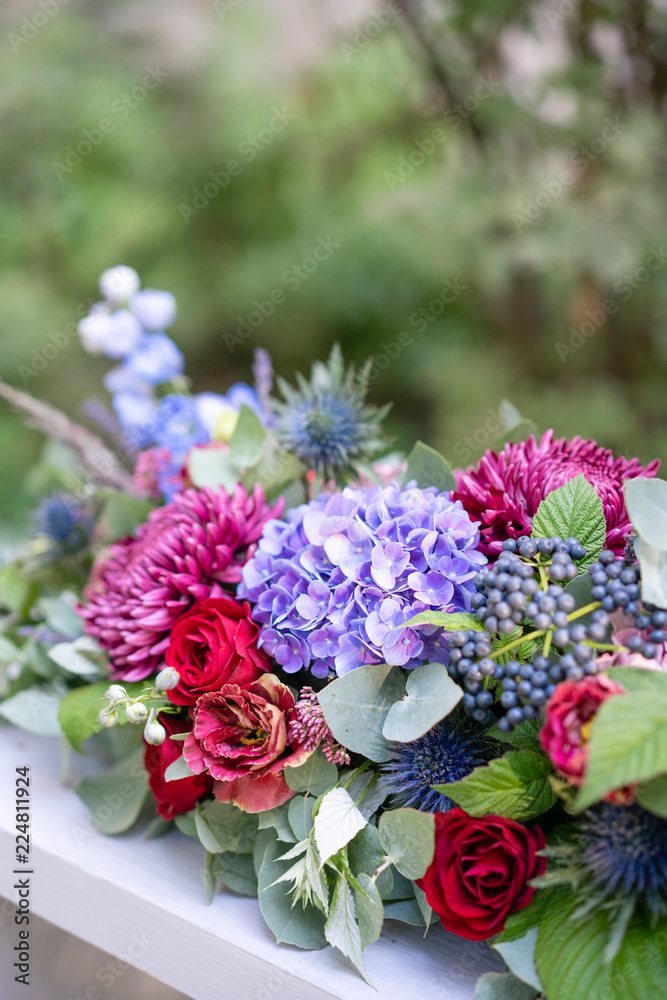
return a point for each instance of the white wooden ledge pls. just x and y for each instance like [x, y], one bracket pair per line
[144, 901]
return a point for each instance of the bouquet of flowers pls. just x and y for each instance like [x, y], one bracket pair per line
[372, 687]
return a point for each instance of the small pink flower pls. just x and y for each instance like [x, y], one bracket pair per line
[569, 716]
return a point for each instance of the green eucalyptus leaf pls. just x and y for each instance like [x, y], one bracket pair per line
[519, 957]
[297, 925]
[408, 837]
[316, 775]
[247, 441]
[429, 468]
[431, 695]
[646, 503]
[406, 910]
[35, 709]
[370, 910]
[212, 467]
[116, 797]
[233, 829]
[300, 813]
[653, 565]
[278, 819]
[365, 854]
[61, 616]
[573, 510]
[356, 705]
[515, 786]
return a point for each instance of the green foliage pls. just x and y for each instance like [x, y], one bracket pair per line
[408, 837]
[337, 821]
[449, 620]
[431, 695]
[356, 707]
[80, 707]
[116, 797]
[429, 468]
[316, 775]
[299, 925]
[502, 986]
[628, 742]
[523, 736]
[515, 785]
[573, 510]
[519, 956]
[123, 514]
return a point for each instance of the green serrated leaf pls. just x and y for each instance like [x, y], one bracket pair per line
[451, 621]
[653, 796]
[580, 589]
[502, 986]
[407, 836]
[515, 785]
[569, 956]
[337, 821]
[316, 775]
[116, 797]
[573, 510]
[430, 696]
[342, 930]
[628, 743]
[429, 468]
[639, 678]
[297, 925]
[356, 705]
[523, 736]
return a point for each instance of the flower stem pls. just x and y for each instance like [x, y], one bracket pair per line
[367, 789]
[355, 774]
[547, 643]
[584, 611]
[517, 642]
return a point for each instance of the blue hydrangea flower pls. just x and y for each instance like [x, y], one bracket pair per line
[447, 753]
[333, 584]
[156, 359]
[65, 522]
[625, 851]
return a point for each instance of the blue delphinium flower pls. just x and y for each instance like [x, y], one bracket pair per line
[154, 309]
[333, 584]
[447, 753]
[326, 422]
[625, 852]
[66, 522]
[177, 425]
[156, 359]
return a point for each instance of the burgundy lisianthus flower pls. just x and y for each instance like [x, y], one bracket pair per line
[183, 554]
[214, 643]
[480, 871]
[569, 716]
[173, 797]
[505, 489]
[241, 738]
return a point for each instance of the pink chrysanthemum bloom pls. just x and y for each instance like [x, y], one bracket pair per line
[311, 731]
[183, 554]
[505, 489]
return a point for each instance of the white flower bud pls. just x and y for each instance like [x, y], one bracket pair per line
[119, 284]
[136, 713]
[154, 733]
[108, 717]
[167, 679]
[115, 694]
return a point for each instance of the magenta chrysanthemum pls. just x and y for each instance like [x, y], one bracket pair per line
[184, 553]
[505, 489]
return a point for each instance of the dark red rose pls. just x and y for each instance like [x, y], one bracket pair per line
[213, 644]
[173, 797]
[242, 737]
[480, 872]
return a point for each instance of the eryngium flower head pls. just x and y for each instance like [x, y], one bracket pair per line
[625, 852]
[447, 753]
[505, 489]
[66, 523]
[185, 553]
[336, 582]
[325, 422]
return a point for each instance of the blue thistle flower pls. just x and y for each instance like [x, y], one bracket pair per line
[625, 850]
[66, 523]
[325, 422]
[447, 753]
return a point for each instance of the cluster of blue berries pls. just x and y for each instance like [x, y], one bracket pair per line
[506, 677]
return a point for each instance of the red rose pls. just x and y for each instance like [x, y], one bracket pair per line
[241, 737]
[212, 644]
[173, 797]
[569, 716]
[480, 872]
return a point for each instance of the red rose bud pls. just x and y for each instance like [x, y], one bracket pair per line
[480, 872]
[173, 797]
[241, 736]
[569, 716]
[213, 644]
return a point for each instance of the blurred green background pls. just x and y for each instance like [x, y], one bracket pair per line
[516, 152]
